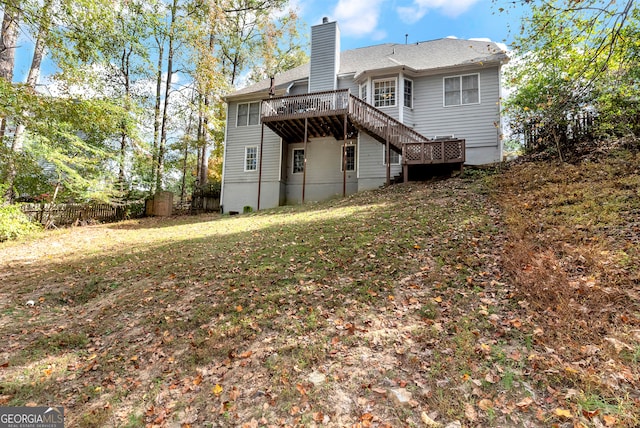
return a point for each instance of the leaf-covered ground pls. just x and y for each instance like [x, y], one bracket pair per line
[501, 298]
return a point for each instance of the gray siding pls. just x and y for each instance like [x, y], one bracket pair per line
[325, 57]
[372, 173]
[299, 89]
[475, 123]
[350, 84]
[240, 186]
[324, 177]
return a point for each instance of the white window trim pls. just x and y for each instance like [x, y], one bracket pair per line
[355, 156]
[460, 76]
[246, 151]
[404, 88]
[384, 154]
[293, 159]
[373, 91]
[248, 103]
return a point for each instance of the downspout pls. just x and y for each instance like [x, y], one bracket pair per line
[388, 150]
[344, 159]
[260, 165]
[289, 88]
[304, 165]
[224, 163]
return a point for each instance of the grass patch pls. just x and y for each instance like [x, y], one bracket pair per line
[475, 294]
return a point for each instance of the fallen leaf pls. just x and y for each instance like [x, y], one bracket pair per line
[246, 354]
[610, 420]
[470, 412]
[485, 404]
[563, 413]
[590, 414]
[217, 390]
[301, 389]
[428, 421]
[234, 394]
[525, 403]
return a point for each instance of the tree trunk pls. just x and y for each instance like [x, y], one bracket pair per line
[157, 121]
[203, 168]
[8, 41]
[167, 92]
[125, 69]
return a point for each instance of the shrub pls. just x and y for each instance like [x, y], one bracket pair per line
[14, 223]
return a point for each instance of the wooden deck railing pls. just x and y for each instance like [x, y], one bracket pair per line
[374, 120]
[306, 105]
[414, 147]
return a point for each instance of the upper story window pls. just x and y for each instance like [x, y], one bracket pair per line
[251, 158]
[384, 93]
[408, 93]
[460, 90]
[363, 92]
[349, 158]
[248, 114]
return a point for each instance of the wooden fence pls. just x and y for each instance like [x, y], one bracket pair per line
[206, 198]
[574, 130]
[67, 214]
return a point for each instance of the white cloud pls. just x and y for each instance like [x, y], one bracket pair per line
[359, 17]
[419, 8]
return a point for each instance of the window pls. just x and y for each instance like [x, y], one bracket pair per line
[384, 93]
[251, 158]
[395, 157]
[363, 92]
[248, 114]
[350, 151]
[460, 90]
[298, 160]
[408, 93]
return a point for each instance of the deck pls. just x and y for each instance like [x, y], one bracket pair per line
[341, 115]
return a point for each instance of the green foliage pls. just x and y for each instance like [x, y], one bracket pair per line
[575, 60]
[94, 135]
[14, 223]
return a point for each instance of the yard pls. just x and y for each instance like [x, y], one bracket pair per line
[498, 298]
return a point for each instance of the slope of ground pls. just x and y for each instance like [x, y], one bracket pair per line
[502, 299]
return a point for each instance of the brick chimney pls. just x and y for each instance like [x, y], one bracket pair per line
[325, 56]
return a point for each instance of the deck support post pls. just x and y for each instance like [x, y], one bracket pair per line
[344, 159]
[405, 172]
[388, 155]
[260, 166]
[304, 165]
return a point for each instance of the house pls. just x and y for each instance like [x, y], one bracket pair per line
[328, 127]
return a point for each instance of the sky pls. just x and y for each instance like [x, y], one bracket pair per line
[372, 22]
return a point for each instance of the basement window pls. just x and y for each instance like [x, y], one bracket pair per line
[298, 161]
[350, 152]
[395, 156]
